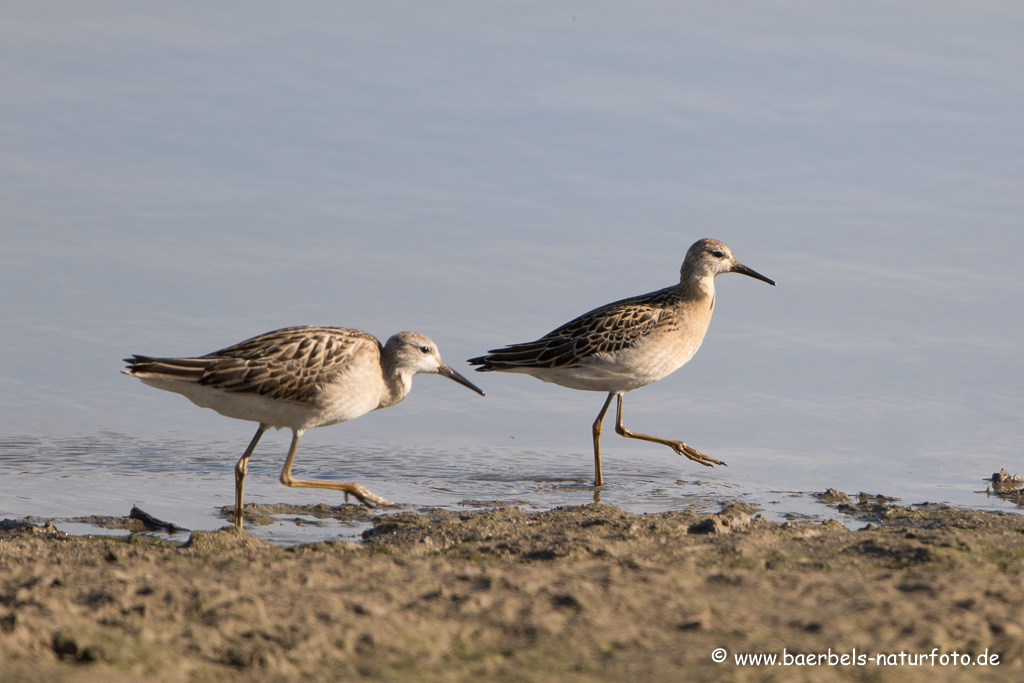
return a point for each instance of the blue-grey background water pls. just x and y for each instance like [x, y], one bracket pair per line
[177, 177]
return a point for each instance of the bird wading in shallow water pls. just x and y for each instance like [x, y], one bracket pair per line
[299, 378]
[630, 343]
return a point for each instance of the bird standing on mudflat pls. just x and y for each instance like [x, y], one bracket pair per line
[630, 343]
[299, 378]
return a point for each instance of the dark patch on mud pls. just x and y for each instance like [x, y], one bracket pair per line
[263, 515]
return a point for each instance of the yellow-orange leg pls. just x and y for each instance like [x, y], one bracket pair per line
[240, 469]
[364, 496]
[678, 446]
[598, 423]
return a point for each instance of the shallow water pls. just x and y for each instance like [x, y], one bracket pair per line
[186, 483]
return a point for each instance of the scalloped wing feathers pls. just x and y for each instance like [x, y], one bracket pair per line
[608, 329]
[293, 363]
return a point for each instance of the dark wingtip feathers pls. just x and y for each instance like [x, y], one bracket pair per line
[190, 369]
[488, 364]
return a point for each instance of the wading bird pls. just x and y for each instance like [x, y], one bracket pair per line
[630, 343]
[299, 378]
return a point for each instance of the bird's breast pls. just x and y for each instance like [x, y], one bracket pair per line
[356, 392]
[661, 355]
[627, 369]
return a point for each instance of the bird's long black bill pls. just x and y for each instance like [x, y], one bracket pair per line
[740, 268]
[446, 371]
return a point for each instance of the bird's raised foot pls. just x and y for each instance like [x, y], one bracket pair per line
[695, 455]
[364, 496]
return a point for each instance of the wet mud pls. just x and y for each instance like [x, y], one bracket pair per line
[586, 593]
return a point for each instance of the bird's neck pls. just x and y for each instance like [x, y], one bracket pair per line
[397, 382]
[695, 285]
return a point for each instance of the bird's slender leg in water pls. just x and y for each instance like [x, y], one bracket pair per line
[598, 423]
[240, 469]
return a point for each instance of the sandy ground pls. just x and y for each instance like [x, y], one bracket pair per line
[575, 594]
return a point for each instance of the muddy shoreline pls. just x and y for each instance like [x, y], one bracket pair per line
[587, 593]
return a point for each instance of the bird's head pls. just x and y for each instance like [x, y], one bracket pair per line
[708, 257]
[413, 354]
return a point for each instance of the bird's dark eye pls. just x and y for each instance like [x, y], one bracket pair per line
[718, 254]
[425, 349]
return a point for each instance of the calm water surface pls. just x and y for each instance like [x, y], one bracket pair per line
[187, 482]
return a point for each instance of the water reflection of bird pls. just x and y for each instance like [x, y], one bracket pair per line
[299, 378]
[630, 343]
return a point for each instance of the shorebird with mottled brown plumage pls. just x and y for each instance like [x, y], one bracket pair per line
[299, 378]
[630, 343]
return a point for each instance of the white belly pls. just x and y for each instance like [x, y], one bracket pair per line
[331, 408]
[625, 370]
